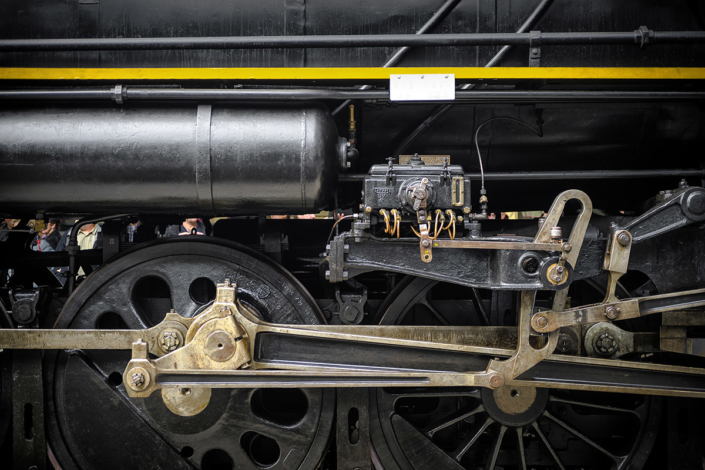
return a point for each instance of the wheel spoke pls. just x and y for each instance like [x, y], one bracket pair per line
[535, 425]
[457, 416]
[479, 306]
[592, 405]
[521, 453]
[580, 436]
[475, 433]
[434, 311]
[494, 452]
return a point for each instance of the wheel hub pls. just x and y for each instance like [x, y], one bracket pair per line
[515, 406]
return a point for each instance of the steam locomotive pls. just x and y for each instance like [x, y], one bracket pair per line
[402, 234]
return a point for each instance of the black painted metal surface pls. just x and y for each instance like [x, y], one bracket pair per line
[44, 19]
[187, 160]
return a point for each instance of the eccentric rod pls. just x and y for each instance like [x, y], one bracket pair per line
[641, 36]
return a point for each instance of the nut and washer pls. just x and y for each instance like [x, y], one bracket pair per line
[612, 313]
[138, 379]
[624, 238]
[496, 380]
[542, 322]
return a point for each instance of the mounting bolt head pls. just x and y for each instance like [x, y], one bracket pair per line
[567, 247]
[368, 209]
[138, 379]
[606, 344]
[426, 243]
[170, 340]
[496, 380]
[624, 238]
[612, 313]
[542, 322]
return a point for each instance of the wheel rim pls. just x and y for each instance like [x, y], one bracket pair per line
[241, 428]
[464, 428]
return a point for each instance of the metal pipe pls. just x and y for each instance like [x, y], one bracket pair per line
[464, 96]
[562, 175]
[347, 41]
[397, 56]
[73, 248]
[441, 110]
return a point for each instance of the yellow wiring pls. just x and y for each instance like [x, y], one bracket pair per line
[385, 214]
[397, 222]
[435, 225]
[451, 224]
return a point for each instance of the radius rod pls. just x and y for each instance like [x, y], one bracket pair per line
[227, 346]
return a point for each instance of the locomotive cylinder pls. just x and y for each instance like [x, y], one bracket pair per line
[205, 160]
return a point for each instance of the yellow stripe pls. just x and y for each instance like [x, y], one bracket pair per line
[351, 73]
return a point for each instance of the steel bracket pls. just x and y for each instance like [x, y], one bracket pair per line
[534, 48]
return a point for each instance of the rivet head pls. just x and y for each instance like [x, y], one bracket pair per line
[542, 322]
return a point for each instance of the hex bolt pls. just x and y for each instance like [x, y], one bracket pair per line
[624, 238]
[567, 247]
[496, 380]
[560, 269]
[612, 312]
[170, 340]
[542, 322]
[426, 243]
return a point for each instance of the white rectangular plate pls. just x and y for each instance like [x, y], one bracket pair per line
[426, 87]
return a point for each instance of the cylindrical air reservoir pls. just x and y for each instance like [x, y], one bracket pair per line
[181, 159]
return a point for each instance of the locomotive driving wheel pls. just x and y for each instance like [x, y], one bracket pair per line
[508, 428]
[92, 424]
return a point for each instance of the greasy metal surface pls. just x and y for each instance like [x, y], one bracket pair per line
[632, 308]
[352, 442]
[87, 410]
[92, 339]
[160, 160]
[495, 245]
[28, 443]
[186, 401]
